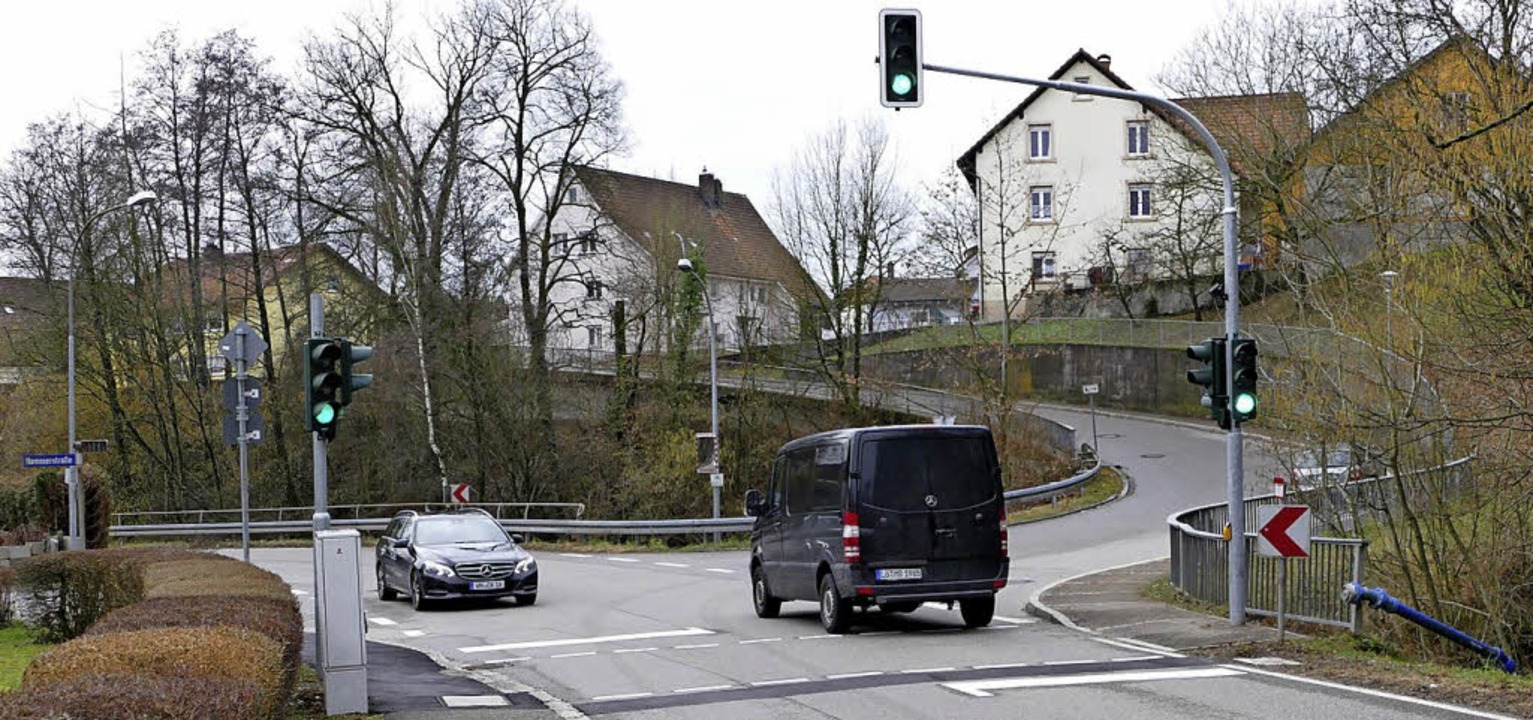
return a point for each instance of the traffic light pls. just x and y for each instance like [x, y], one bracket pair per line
[351, 354]
[1211, 376]
[899, 53]
[322, 384]
[1243, 357]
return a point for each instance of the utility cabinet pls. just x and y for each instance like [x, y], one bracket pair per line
[340, 643]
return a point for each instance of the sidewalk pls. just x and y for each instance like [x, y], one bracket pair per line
[1110, 603]
[403, 684]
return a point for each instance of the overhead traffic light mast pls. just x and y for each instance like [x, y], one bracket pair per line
[899, 58]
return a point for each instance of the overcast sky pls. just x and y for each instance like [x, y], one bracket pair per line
[736, 86]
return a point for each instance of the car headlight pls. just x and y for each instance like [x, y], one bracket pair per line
[526, 565]
[436, 569]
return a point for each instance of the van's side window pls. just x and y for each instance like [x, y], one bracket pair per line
[800, 481]
[829, 478]
[775, 491]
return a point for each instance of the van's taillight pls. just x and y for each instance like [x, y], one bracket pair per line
[1005, 535]
[851, 537]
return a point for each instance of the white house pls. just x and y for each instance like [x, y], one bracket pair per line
[1077, 190]
[624, 234]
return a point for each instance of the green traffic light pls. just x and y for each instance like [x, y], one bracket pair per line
[324, 413]
[1245, 403]
[902, 84]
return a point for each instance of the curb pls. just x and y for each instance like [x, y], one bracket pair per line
[1036, 607]
[562, 708]
[1127, 490]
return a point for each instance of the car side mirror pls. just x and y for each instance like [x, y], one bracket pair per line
[754, 501]
[400, 542]
[517, 538]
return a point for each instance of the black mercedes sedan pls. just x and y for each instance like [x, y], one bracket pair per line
[453, 555]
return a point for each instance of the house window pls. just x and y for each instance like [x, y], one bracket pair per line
[593, 289]
[1137, 261]
[593, 336]
[586, 242]
[1082, 80]
[1138, 138]
[213, 324]
[332, 284]
[1139, 201]
[1040, 142]
[1043, 264]
[1455, 112]
[572, 195]
[1041, 203]
[558, 240]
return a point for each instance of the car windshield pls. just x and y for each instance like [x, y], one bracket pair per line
[1334, 459]
[457, 530]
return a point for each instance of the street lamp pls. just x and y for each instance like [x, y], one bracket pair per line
[72, 473]
[1389, 329]
[685, 265]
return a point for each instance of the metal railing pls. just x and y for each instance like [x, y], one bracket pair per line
[341, 511]
[1200, 555]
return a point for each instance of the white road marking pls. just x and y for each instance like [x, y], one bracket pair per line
[296, 591]
[504, 661]
[878, 632]
[918, 671]
[570, 655]
[625, 651]
[998, 627]
[381, 621]
[698, 646]
[622, 560]
[565, 642]
[784, 681]
[1135, 658]
[760, 640]
[822, 637]
[673, 565]
[705, 688]
[1069, 662]
[574, 555]
[1152, 647]
[844, 676]
[1375, 693]
[414, 633]
[983, 688]
[1137, 646]
[466, 701]
[1015, 620]
[629, 696]
[1267, 661]
[720, 570]
[1001, 666]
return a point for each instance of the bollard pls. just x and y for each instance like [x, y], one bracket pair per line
[1355, 594]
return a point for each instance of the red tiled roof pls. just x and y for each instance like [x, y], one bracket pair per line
[1252, 127]
[736, 240]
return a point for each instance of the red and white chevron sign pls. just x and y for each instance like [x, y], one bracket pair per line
[460, 493]
[1284, 531]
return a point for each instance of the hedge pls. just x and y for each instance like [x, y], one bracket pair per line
[75, 589]
[133, 697]
[218, 653]
[275, 618]
[211, 575]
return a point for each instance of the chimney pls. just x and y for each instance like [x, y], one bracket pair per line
[1105, 60]
[710, 188]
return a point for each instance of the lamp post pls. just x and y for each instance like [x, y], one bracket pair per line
[72, 473]
[1389, 290]
[685, 265]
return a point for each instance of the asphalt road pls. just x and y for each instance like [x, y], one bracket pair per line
[673, 635]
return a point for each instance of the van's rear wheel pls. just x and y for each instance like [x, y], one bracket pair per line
[835, 613]
[766, 605]
[977, 612]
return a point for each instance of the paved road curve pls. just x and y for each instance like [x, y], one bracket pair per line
[673, 635]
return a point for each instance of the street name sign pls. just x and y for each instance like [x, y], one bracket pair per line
[1089, 389]
[59, 460]
[1284, 531]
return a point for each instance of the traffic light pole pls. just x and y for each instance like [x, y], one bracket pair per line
[1233, 454]
[321, 446]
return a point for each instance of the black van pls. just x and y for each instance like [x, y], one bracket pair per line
[887, 516]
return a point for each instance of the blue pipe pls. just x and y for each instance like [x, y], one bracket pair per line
[1377, 599]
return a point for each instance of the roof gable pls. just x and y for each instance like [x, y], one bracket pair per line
[736, 241]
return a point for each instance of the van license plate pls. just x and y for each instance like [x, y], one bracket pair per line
[487, 585]
[898, 574]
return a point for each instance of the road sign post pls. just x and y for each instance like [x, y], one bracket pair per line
[1284, 534]
[1091, 392]
[243, 346]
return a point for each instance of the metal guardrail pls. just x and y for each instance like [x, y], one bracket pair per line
[1200, 558]
[548, 527]
[344, 510]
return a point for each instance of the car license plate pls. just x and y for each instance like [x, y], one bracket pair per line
[487, 585]
[899, 574]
